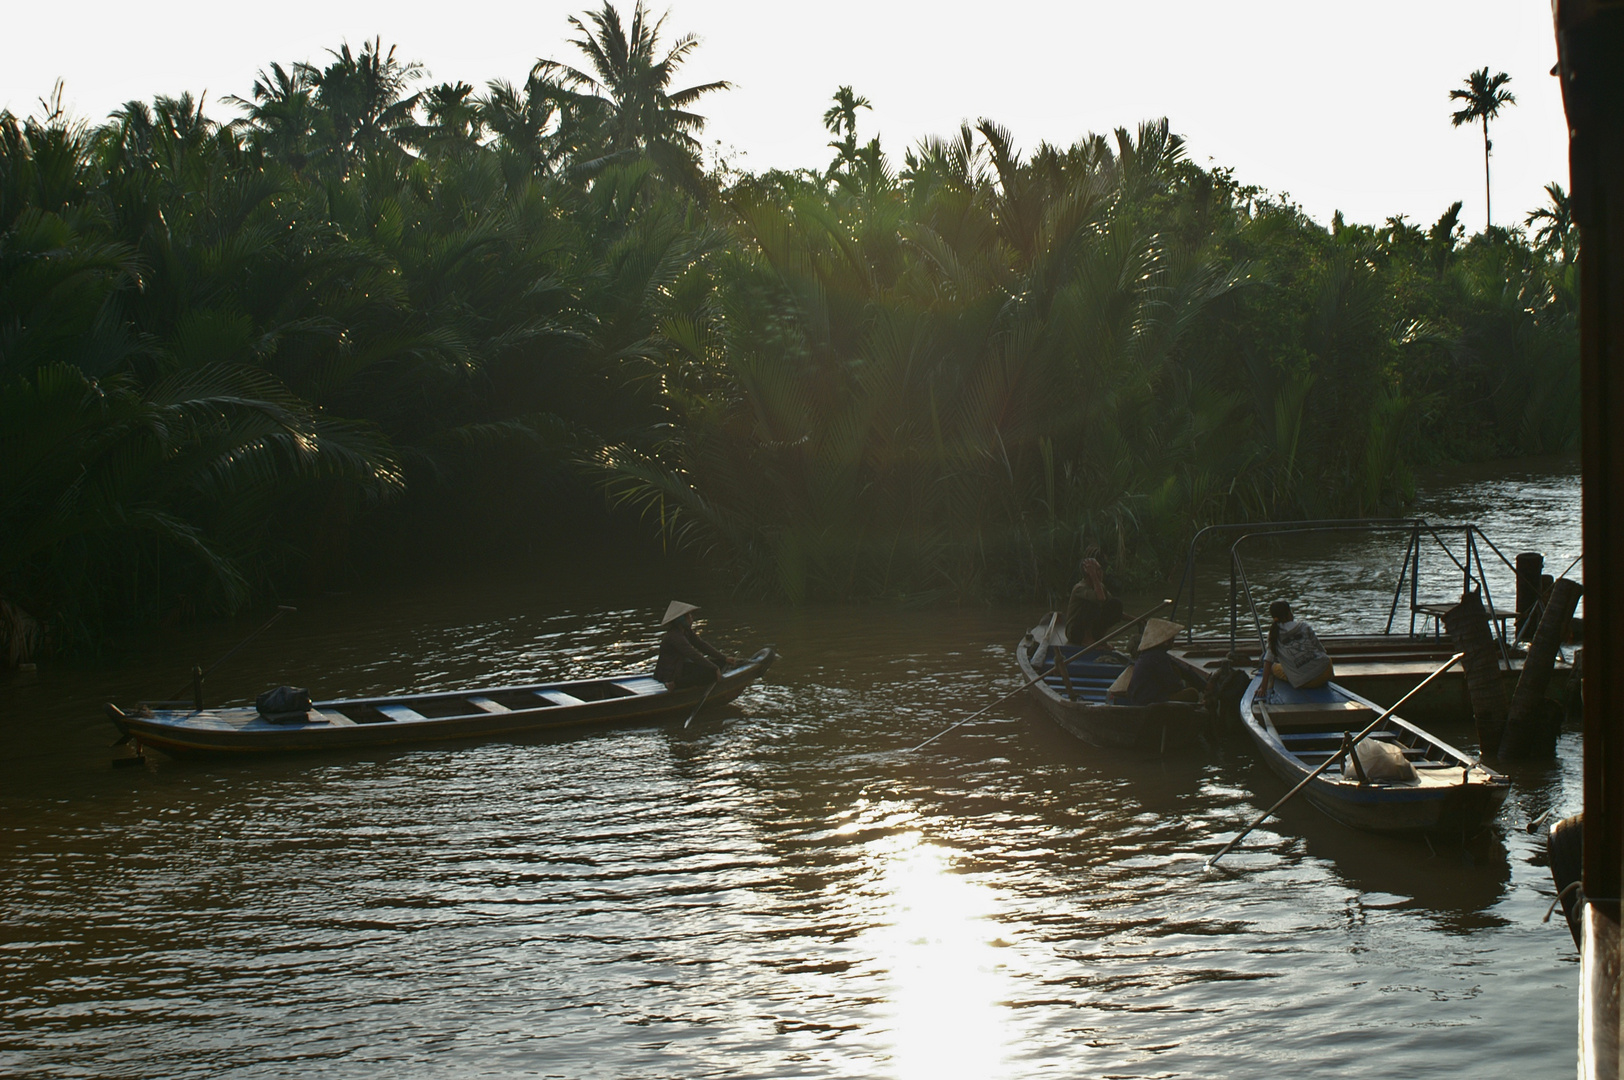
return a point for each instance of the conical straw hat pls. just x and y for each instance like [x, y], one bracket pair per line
[677, 610]
[1158, 632]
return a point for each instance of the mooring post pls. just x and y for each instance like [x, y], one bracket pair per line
[1530, 565]
[1468, 626]
[1532, 726]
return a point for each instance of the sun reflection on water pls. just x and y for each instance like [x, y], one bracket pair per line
[934, 934]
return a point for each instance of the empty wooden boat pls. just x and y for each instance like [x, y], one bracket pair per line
[1074, 694]
[1296, 731]
[496, 712]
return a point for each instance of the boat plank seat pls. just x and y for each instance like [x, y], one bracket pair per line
[1308, 736]
[488, 705]
[648, 685]
[401, 712]
[558, 697]
[1324, 708]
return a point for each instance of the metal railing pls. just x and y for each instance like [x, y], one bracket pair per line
[1418, 532]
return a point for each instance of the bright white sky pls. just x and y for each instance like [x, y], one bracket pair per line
[1342, 106]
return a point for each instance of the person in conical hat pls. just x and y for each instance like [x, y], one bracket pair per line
[1159, 633]
[676, 609]
[685, 658]
[1155, 677]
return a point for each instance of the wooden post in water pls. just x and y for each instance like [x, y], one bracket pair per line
[1530, 565]
[1468, 626]
[1532, 723]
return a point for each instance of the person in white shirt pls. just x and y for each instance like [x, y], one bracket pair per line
[1294, 653]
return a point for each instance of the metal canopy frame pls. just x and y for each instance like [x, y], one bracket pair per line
[1418, 532]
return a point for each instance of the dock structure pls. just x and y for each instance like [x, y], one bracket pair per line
[1409, 636]
[1590, 40]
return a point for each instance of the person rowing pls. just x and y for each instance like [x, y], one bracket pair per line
[686, 659]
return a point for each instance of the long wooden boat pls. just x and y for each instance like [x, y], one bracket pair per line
[1297, 730]
[468, 714]
[1075, 697]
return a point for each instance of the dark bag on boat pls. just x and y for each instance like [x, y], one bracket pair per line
[285, 703]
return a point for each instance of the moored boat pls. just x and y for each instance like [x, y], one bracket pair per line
[1074, 694]
[496, 712]
[1297, 730]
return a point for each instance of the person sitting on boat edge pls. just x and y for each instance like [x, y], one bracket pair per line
[1154, 677]
[1294, 653]
[685, 658]
[1091, 611]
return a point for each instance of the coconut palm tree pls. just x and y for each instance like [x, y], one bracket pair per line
[1483, 95]
[631, 82]
[364, 97]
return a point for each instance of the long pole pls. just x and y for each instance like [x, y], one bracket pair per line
[199, 673]
[1034, 681]
[702, 699]
[1334, 758]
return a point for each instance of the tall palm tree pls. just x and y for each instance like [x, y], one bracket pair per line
[632, 80]
[364, 97]
[1483, 95]
[841, 119]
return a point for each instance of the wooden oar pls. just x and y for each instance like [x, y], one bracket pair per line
[1045, 675]
[702, 699]
[1334, 758]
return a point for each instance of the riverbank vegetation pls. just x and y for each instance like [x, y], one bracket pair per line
[368, 319]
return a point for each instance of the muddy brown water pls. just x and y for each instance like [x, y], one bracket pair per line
[782, 890]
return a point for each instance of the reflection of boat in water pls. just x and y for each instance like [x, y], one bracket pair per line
[1386, 664]
[1404, 780]
[1457, 878]
[467, 714]
[1074, 692]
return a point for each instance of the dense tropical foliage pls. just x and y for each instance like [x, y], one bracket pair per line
[234, 354]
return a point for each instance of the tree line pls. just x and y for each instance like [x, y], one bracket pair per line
[235, 355]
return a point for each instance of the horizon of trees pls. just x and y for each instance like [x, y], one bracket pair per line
[234, 356]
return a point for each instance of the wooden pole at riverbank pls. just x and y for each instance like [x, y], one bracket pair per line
[1589, 42]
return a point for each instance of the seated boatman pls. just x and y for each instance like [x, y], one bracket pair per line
[1155, 678]
[686, 659]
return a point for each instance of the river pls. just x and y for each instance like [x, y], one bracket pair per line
[782, 890]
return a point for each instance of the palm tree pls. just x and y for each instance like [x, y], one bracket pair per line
[841, 119]
[282, 118]
[1556, 231]
[364, 97]
[1484, 94]
[631, 80]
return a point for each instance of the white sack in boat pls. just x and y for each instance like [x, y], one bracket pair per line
[1382, 761]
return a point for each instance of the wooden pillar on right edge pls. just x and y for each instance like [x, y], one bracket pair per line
[1590, 48]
